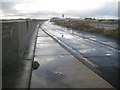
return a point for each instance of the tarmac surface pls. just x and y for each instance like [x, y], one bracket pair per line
[59, 69]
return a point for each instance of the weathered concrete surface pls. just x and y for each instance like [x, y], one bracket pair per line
[15, 38]
[17, 74]
[59, 69]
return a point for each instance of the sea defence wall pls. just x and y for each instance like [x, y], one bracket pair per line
[16, 35]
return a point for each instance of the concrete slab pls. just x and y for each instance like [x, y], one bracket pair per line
[73, 74]
[53, 58]
[59, 69]
[49, 49]
[46, 40]
[42, 34]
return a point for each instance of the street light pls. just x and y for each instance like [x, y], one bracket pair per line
[63, 15]
[63, 23]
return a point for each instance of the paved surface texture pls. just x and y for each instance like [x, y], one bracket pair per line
[59, 69]
[99, 51]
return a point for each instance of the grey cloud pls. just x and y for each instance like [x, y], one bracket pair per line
[7, 5]
[8, 8]
[108, 9]
[45, 13]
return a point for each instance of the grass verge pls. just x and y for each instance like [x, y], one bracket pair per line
[84, 26]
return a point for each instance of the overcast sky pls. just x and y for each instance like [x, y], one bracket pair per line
[55, 8]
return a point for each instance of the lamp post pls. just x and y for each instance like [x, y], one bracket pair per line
[63, 22]
[63, 15]
[63, 19]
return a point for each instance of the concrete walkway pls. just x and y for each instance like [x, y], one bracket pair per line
[59, 69]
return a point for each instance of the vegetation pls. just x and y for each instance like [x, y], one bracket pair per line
[35, 65]
[84, 26]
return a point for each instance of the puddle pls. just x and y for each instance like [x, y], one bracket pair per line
[108, 54]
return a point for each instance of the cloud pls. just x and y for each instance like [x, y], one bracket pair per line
[7, 8]
[56, 8]
[108, 9]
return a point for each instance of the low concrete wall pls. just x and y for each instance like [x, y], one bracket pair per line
[15, 38]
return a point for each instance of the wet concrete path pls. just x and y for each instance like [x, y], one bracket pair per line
[59, 69]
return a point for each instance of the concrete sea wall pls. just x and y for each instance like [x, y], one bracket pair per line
[15, 38]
